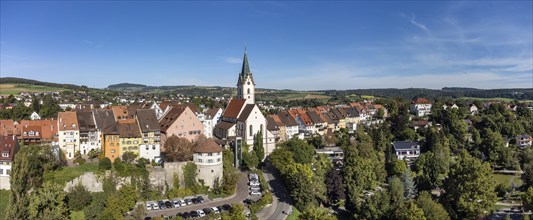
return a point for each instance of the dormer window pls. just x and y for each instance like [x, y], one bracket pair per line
[5, 154]
[73, 125]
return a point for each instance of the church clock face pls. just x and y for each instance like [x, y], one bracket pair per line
[248, 82]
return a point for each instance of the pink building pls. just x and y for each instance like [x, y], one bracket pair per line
[180, 122]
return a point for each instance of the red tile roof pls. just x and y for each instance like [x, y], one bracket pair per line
[421, 101]
[9, 145]
[169, 118]
[67, 121]
[234, 108]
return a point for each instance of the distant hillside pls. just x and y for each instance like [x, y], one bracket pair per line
[125, 85]
[14, 80]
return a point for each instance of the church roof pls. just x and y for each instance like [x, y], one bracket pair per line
[246, 112]
[245, 71]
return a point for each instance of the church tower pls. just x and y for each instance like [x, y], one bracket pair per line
[246, 84]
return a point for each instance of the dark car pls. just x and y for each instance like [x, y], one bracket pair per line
[195, 201]
[194, 214]
[248, 201]
[162, 205]
[220, 209]
[207, 211]
[201, 199]
[169, 205]
[226, 207]
[186, 215]
[147, 218]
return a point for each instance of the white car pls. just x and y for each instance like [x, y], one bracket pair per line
[215, 210]
[155, 206]
[176, 203]
[148, 206]
[255, 193]
[254, 183]
[182, 202]
[200, 212]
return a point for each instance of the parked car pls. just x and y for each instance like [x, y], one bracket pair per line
[182, 202]
[253, 175]
[248, 201]
[162, 205]
[155, 206]
[169, 204]
[195, 201]
[188, 201]
[207, 211]
[215, 210]
[194, 214]
[148, 206]
[200, 199]
[220, 209]
[255, 188]
[185, 215]
[227, 207]
[254, 183]
[255, 193]
[200, 212]
[176, 203]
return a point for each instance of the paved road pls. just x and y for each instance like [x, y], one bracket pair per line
[240, 195]
[281, 199]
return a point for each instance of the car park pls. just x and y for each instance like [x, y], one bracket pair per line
[200, 212]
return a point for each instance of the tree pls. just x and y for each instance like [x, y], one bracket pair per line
[358, 175]
[48, 203]
[432, 209]
[409, 185]
[258, 146]
[78, 197]
[230, 175]
[104, 164]
[469, 188]
[409, 211]
[314, 213]
[380, 113]
[237, 212]
[139, 213]
[376, 206]
[527, 199]
[492, 145]
[178, 149]
[249, 158]
[299, 180]
[129, 157]
[302, 151]
[397, 191]
[119, 166]
[94, 153]
[96, 207]
[335, 186]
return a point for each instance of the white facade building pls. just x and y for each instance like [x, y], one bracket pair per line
[208, 159]
[69, 134]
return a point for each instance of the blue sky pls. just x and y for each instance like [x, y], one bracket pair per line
[294, 45]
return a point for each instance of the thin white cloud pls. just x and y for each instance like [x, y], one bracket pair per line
[413, 21]
[231, 60]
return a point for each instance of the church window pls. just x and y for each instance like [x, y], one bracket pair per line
[248, 89]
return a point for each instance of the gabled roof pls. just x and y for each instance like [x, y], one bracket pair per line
[170, 117]
[105, 121]
[246, 112]
[212, 112]
[86, 121]
[68, 121]
[224, 125]
[314, 117]
[421, 101]
[120, 111]
[352, 112]
[208, 146]
[302, 114]
[8, 144]
[405, 145]
[234, 108]
[272, 124]
[48, 128]
[35, 129]
[287, 119]
[147, 120]
[129, 129]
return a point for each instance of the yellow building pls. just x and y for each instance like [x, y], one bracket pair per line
[130, 136]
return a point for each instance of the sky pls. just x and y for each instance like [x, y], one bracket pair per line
[301, 45]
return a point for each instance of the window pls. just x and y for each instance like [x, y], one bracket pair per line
[248, 89]
[218, 160]
[129, 142]
[199, 160]
[112, 144]
[153, 147]
[210, 161]
[209, 154]
[8, 171]
[112, 151]
[1, 171]
[251, 130]
[124, 149]
[5, 154]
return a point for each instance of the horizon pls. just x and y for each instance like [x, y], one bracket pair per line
[291, 45]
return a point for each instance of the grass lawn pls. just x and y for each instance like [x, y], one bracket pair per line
[294, 215]
[4, 200]
[67, 174]
[77, 215]
[215, 196]
[504, 178]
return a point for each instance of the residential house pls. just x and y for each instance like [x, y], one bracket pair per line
[274, 126]
[473, 109]
[353, 118]
[129, 136]
[420, 107]
[524, 140]
[106, 124]
[69, 133]
[89, 135]
[406, 150]
[9, 146]
[31, 134]
[210, 119]
[180, 122]
[290, 125]
[150, 147]
[35, 116]
[336, 154]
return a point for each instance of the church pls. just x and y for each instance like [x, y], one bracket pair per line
[242, 119]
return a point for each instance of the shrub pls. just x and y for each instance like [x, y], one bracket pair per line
[104, 164]
[80, 161]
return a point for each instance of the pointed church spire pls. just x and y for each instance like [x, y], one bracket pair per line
[245, 67]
